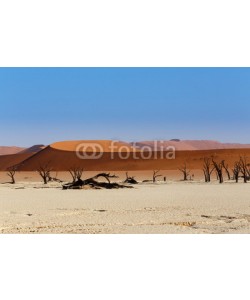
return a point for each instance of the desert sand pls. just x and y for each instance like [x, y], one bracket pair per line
[160, 208]
[173, 206]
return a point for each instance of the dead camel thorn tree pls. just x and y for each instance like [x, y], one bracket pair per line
[11, 173]
[219, 170]
[236, 171]
[44, 171]
[244, 168]
[130, 180]
[185, 172]
[226, 168]
[94, 184]
[156, 175]
[207, 168]
[76, 173]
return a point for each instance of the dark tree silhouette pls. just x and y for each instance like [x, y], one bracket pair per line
[11, 173]
[219, 170]
[156, 175]
[76, 173]
[236, 171]
[244, 168]
[130, 180]
[226, 168]
[93, 183]
[44, 171]
[207, 168]
[185, 172]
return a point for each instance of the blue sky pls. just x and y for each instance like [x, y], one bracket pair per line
[43, 105]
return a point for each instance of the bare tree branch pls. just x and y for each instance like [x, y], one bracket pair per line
[44, 171]
[156, 175]
[185, 172]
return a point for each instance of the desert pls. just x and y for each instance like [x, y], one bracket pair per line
[168, 204]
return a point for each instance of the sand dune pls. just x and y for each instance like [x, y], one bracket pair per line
[158, 145]
[118, 156]
[93, 146]
[7, 161]
[62, 160]
[33, 149]
[10, 150]
[192, 145]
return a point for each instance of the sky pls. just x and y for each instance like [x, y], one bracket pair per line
[45, 105]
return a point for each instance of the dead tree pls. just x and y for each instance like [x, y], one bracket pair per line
[130, 180]
[219, 170]
[76, 173]
[185, 172]
[236, 171]
[226, 168]
[93, 183]
[11, 173]
[244, 168]
[44, 171]
[156, 175]
[207, 168]
[55, 179]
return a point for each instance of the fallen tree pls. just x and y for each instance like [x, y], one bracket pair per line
[130, 180]
[93, 183]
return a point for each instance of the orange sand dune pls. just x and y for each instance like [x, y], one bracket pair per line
[10, 150]
[62, 156]
[7, 161]
[93, 146]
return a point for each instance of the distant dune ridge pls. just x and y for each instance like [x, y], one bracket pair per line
[33, 149]
[63, 155]
[192, 144]
[10, 150]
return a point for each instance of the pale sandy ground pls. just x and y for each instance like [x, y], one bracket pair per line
[172, 207]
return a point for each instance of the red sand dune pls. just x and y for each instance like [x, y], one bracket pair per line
[192, 145]
[7, 161]
[63, 156]
[10, 150]
[93, 146]
[117, 156]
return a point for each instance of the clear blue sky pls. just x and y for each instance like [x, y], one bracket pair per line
[43, 105]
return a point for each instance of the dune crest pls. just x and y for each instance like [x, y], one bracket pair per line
[93, 146]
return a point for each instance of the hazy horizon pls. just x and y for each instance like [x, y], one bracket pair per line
[45, 105]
